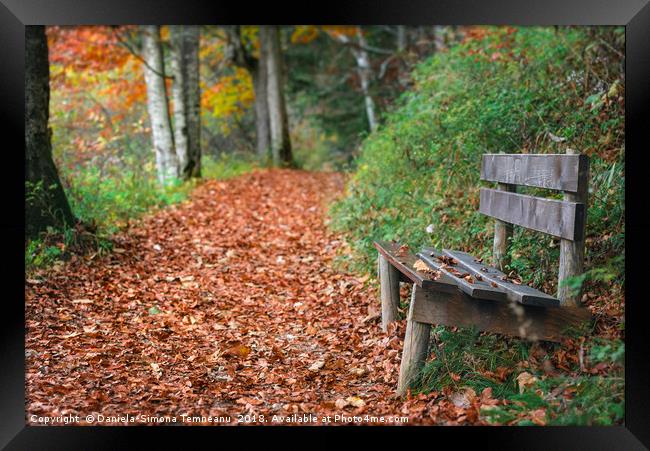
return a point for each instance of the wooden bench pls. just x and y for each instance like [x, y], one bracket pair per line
[453, 288]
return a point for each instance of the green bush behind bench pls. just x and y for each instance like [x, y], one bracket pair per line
[421, 169]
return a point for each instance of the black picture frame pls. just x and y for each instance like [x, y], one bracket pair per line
[633, 14]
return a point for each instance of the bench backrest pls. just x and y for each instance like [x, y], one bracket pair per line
[561, 218]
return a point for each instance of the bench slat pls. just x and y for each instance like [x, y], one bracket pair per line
[478, 289]
[552, 171]
[519, 293]
[458, 309]
[554, 217]
[404, 264]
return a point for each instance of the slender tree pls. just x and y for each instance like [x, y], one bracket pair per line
[193, 102]
[179, 90]
[280, 140]
[360, 52]
[161, 130]
[186, 98]
[45, 201]
[256, 67]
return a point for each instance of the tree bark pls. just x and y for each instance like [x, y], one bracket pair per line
[280, 140]
[365, 73]
[161, 130]
[257, 68]
[402, 41]
[45, 201]
[186, 95]
[179, 93]
[262, 119]
[191, 34]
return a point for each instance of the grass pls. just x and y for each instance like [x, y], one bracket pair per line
[467, 358]
[503, 90]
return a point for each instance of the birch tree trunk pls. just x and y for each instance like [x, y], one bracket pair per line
[365, 73]
[401, 38]
[45, 200]
[280, 141]
[161, 130]
[179, 89]
[193, 102]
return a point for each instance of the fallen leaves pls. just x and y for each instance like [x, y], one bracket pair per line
[198, 314]
[525, 380]
[317, 365]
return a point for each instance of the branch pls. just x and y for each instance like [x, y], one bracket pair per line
[343, 39]
[132, 51]
[235, 50]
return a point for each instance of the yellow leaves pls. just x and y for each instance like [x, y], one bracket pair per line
[524, 380]
[230, 97]
[304, 34]
[353, 401]
[421, 266]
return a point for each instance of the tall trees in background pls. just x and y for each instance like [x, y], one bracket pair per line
[178, 150]
[364, 70]
[46, 203]
[186, 98]
[161, 127]
[266, 70]
[279, 121]
[240, 55]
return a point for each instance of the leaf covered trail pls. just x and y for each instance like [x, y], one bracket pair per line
[223, 305]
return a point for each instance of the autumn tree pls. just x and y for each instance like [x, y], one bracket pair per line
[279, 121]
[161, 129]
[243, 56]
[46, 202]
[186, 98]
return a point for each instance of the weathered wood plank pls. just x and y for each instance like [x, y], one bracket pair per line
[572, 252]
[509, 318]
[552, 171]
[416, 347]
[404, 261]
[554, 217]
[479, 289]
[516, 293]
[389, 292]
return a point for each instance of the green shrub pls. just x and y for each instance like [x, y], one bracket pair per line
[501, 90]
[505, 90]
[106, 198]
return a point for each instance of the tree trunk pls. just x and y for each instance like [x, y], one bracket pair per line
[365, 73]
[257, 68]
[45, 201]
[179, 93]
[161, 131]
[262, 120]
[280, 141]
[193, 102]
[401, 38]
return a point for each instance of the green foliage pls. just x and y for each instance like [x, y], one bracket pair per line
[106, 198]
[502, 89]
[475, 359]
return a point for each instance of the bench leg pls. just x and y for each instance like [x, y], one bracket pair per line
[389, 291]
[416, 348]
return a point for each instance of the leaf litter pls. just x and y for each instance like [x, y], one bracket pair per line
[225, 304]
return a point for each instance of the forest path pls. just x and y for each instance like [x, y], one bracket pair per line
[223, 305]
